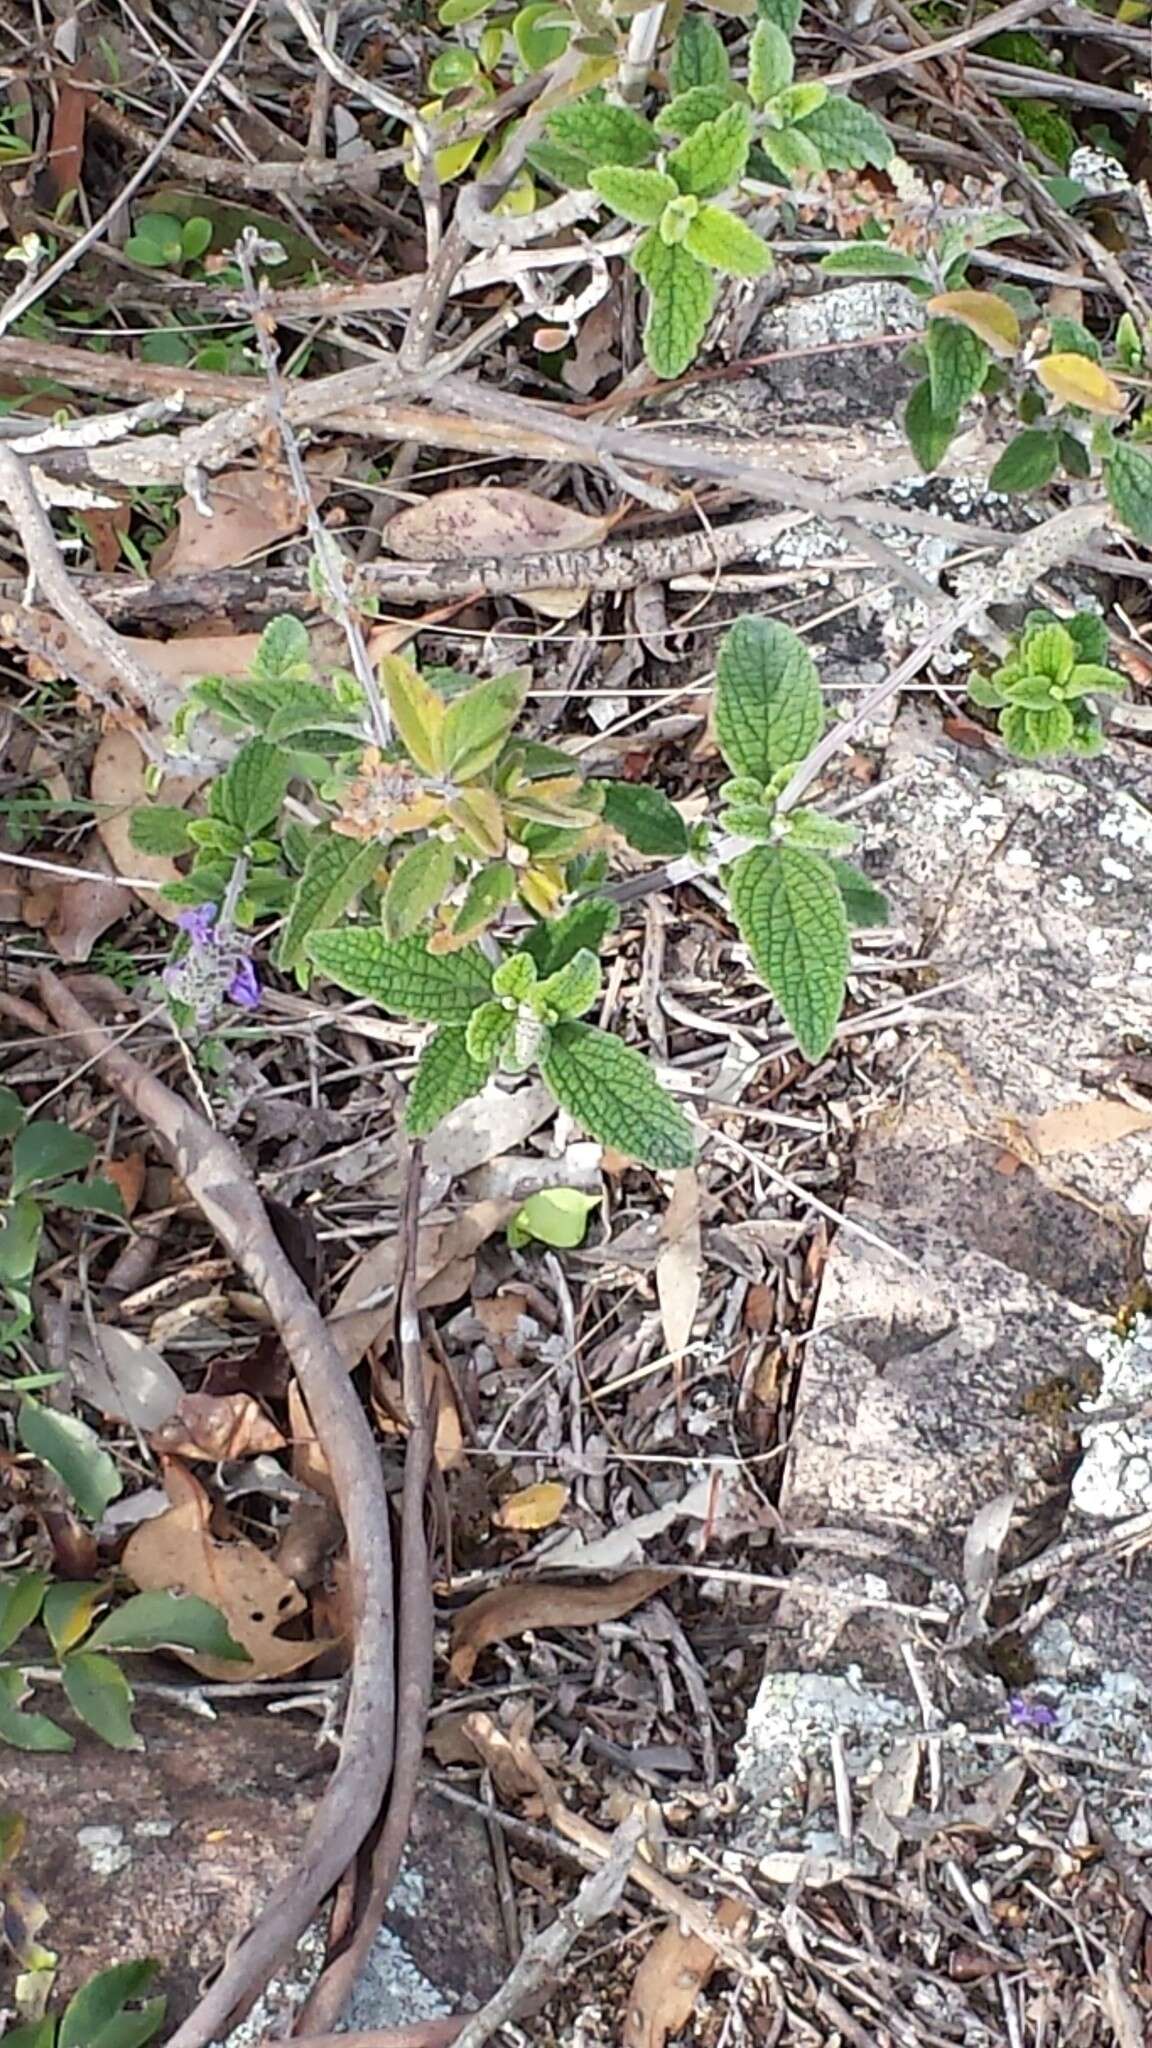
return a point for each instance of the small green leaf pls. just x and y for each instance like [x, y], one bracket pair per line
[681, 298]
[195, 238]
[484, 898]
[401, 975]
[785, 13]
[790, 913]
[20, 1234]
[699, 57]
[170, 1621]
[865, 906]
[645, 818]
[1028, 462]
[420, 880]
[45, 1151]
[11, 1113]
[872, 259]
[446, 1075]
[99, 1692]
[541, 34]
[20, 1600]
[69, 1609]
[249, 794]
[930, 433]
[771, 65]
[979, 231]
[75, 1454]
[98, 2015]
[552, 943]
[714, 156]
[847, 136]
[604, 133]
[487, 1034]
[1128, 477]
[26, 1731]
[571, 991]
[792, 106]
[717, 238]
[1089, 635]
[635, 195]
[556, 1216]
[477, 724]
[335, 871]
[284, 653]
[161, 829]
[1071, 337]
[957, 365]
[684, 114]
[1129, 347]
[1033, 734]
[790, 152]
[1074, 457]
[611, 1090]
[768, 707]
[516, 977]
[94, 1197]
[820, 834]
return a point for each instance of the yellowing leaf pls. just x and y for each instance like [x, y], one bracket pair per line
[417, 710]
[985, 314]
[534, 1507]
[1077, 380]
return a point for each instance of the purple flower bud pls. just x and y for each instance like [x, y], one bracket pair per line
[1025, 1713]
[244, 987]
[198, 923]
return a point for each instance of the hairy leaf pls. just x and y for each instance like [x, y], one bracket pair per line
[635, 195]
[1028, 462]
[645, 818]
[717, 238]
[957, 365]
[847, 136]
[417, 709]
[771, 65]
[865, 906]
[699, 57]
[681, 298]
[957, 244]
[604, 133]
[101, 1695]
[987, 315]
[684, 114]
[335, 871]
[572, 990]
[75, 1454]
[1077, 380]
[930, 433]
[714, 156]
[790, 913]
[419, 882]
[790, 151]
[484, 898]
[611, 1090]
[768, 707]
[871, 259]
[163, 828]
[477, 724]
[249, 794]
[785, 13]
[401, 975]
[446, 1075]
[284, 653]
[1128, 476]
[487, 1034]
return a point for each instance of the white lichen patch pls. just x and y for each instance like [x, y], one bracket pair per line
[1128, 821]
[788, 1736]
[104, 1849]
[1114, 1477]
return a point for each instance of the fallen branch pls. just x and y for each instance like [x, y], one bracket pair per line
[215, 1176]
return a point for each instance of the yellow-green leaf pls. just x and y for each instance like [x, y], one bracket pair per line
[534, 1507]
[1077, 380]
[990, 317]
[417, 710]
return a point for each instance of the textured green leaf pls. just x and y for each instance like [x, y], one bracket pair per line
[11, 1113]
[957, 244]
[477, 724]
[699, 57]
[790, 914]
[714, 156]
[793, 105]
[98, 2015]
[75, 1454]
[604, 133]
[571, 991]
[635, 195]
[162, 828]
[717, 238]
[785, 13]
[819, 833]
[174, 1621]
[484, 898]
[1089, 634]
[1071, 337]
[419, 882]
[45, 1151]
[401, 975]
[487, 1034]
[249, 793]
[552, 943]
[69, 1607]
[790, 151]
[1028, 462]
[683, 115]
[611, 1090]
[284, 653]
[20, 1600]
[847, 136]
[681, 298]
[101, 1695]
[1034, 734]
[872, 259]
[556, 1216]
[930, 434]
[1128, 476]
[771, 65]
[516, 976]
[336, 868]
[446, 1076]
[1074, 456]
[768, 707]
[26, 1731]
[865, 906]
[646, 818]
[957, 365]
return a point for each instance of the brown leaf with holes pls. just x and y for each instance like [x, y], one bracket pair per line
[218, 1426]
[72, 915]
[177, 1552]
[673, 1973]
[510, 1610]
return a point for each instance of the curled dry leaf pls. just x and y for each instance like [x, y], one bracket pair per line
[500, 522]
[125, 1378]
[218, 1426]
[510, 1610]
[534, 1507]
[671, 1977]
[177, 1552]
[72, 915]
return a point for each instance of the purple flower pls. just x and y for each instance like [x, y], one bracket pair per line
[1033, 1714]
[244, 987]
[198, 923]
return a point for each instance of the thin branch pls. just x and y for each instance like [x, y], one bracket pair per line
[216, 1177]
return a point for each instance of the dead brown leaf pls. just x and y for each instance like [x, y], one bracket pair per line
[177, 1552]
[510, 1610]
[1088, 1126]
[446, 1261]
[252, 509]
[680, 1261]
[500, 521]
[309, 1464]
[218, 1426]
[72, 915]
[66, 141]
[671, 1977]
[118, 786]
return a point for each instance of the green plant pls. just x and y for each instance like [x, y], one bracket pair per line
[1045, 690]
[43, 1161]
[106, 2012]
[161, 242]
[93, 1682]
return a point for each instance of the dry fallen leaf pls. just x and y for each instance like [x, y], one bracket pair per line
[117, 785]
[445, 1264]
[1087, 1126]
[501, 522]
[217, 1426]
[510, 1610]
[125, 1378]
[679, 1263]
[72, 915]
[128, 1174]
[177, 1552]
[251, 509]
[671, 1977]
[534, 1507]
